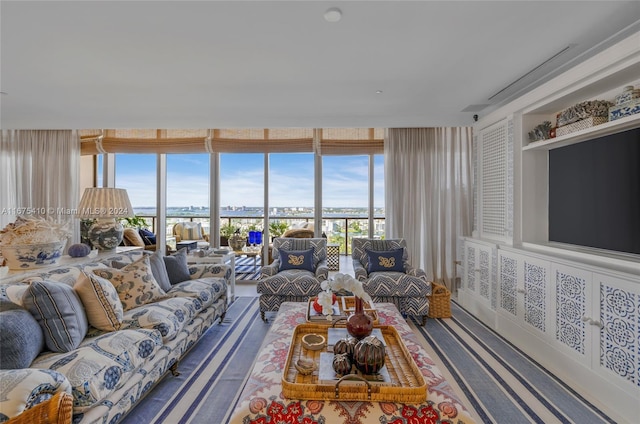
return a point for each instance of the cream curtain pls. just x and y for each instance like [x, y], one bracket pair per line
[43, 175]
[429, 194]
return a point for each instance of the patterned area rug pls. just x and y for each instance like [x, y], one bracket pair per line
[498, 383]
[246, 270]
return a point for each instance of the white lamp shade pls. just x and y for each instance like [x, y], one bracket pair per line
[104, 202]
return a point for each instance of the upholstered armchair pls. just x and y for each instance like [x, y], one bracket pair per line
[298, 268]
[187, 230]
[132, 237]
[386, 274]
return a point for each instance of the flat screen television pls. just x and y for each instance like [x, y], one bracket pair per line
[594, 193]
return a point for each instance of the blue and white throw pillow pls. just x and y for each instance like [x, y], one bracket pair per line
[60, 313]
[387, 260]
[297, 259]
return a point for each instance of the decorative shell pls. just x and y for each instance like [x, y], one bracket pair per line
[342, 364]
[368, 355]
[79, 250]
[305, 366]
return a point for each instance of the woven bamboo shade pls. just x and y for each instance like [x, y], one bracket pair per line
[351, 141]
[333, 141]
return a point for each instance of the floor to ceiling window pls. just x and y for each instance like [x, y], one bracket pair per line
[241, 192]
[352, 193]
[188, 190]
[291, 190]
[378, 196]
[345, 198]
[137, 174]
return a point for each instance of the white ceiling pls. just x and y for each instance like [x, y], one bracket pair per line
[217, 64]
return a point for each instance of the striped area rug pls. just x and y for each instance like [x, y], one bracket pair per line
[498, 381]
[245, 270]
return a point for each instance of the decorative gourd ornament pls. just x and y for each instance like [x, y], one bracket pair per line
[345, 346]
[368, 355]
[342, 364]
[79, 250]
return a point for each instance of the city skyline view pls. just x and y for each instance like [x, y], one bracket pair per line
[291, 180]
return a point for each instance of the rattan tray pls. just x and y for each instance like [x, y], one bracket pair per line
[346, 305]
[407, 384]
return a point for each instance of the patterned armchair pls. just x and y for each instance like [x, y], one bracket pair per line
[292, 285]
[405, 286]
[186, 230]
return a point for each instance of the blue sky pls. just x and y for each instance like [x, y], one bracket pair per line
[241, 175]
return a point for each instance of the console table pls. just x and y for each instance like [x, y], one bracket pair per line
[261, 399]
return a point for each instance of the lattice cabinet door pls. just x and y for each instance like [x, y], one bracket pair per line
[509, 276]
[480, 285]
[618, 350]
[574, 315]
[535, 290]
[524, 290]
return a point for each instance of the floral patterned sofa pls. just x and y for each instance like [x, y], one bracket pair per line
[110, 369]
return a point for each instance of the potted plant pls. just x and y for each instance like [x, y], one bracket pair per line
[277, 228]
[226, 231]
[135, 222]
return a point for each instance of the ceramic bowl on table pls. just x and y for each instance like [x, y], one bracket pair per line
[32, 255]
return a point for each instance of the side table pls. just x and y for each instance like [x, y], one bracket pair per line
[333, 257]
[189, 244]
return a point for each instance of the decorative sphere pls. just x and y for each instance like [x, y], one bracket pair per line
[368, 355]
[79, 250]
[342, 364]
[345, 346]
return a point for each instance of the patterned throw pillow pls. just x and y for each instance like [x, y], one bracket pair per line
[190, 231]
[59, 312]
[101, 302]
[387, 260]
[134, 283]
[297, 259]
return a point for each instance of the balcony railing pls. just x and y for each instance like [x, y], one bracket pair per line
[338, 229]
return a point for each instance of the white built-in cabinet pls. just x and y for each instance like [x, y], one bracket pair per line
[576, 311]
[479, 283]
[579, 321]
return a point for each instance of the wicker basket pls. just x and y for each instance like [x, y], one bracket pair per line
[439, 302]
[57, 410]
[581, 125]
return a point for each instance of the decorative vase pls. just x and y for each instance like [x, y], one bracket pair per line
[106, 234]
[359, 324]
[237, 242]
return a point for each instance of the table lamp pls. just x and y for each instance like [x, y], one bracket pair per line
[105, 205]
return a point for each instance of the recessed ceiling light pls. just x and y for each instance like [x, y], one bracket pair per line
[333, 14]
[378, 91]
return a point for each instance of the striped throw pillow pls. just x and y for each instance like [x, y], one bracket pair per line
[59, 312]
